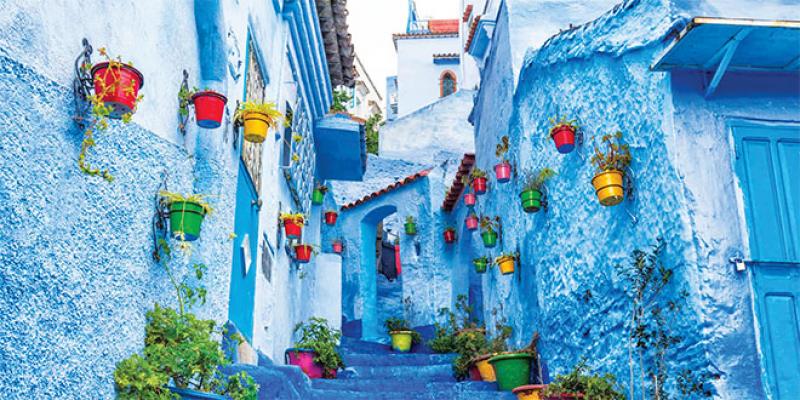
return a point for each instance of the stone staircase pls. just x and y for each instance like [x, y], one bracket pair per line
[376, 373]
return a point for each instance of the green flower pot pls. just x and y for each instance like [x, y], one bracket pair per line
[480, 265]
[489, 239]
[317, 197]
[512, 370]
[411, 228]
[531, 200]
[185, 219]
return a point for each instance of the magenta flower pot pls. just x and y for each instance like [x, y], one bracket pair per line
[471, 222]
[304, 358]
[469, 199]
[503, 172]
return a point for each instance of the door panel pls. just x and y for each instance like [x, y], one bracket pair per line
[768, 166]
[243, 274]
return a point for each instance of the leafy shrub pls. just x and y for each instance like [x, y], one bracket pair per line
[316, 335]
[594, 387]
[399, 324]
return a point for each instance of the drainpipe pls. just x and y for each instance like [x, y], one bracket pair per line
[210, 25]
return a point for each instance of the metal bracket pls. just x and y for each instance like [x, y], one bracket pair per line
[545, 197]
[82, 84]
[184, 119]
[726, 53]
[236, 125]
[160, 217]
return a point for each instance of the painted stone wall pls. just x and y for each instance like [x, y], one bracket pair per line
[417, 75]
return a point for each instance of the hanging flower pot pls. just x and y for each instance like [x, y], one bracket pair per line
[531, 195]
[531, 200]
[563, 134]
[479, 185]
[503, 171]
[292, 224]
[529, 392]
[608, 187]
[257, 119]
[512, 370]
[303, 253]
[469, 199]
[208, 108]
[449, 235]
[185, 220]
[486, 370]
[506, 264]
[304, 358]
[410, 226]
[117, 84]
[330, 217]
[471, 222]
[489, 239]
[337, 247]
[480, 264]
[318, 196]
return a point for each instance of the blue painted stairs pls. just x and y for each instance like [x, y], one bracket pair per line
[376, 373]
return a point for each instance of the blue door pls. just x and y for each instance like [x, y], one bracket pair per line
[245, 246]
[768, 166]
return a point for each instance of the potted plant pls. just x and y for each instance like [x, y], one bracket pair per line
[478, 180]
[512, 369]
[449, 235]
[208, 106]
[293, 224]
[563, 134]
[303, 252]
[531, 194]
[506, 263]
[468, 344]
[403, 336]
[529, 392]
[257, 119]
[330, 217]
[481, 263]
[471, 221]
[611, 165]
[318, 196]
[410, 225]
[489, 231]
[316, 353]
[502, 170]
[493, 347]
[580, 384]
[186, 214]
[337, 246]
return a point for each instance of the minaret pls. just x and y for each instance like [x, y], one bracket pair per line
[411, 25]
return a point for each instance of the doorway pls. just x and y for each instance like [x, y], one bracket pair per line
[371, 324]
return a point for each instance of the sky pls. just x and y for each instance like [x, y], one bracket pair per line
[372, 23]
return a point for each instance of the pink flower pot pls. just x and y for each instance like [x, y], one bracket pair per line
[479, 185]
[471, 222]
[503, 172]
[337, 247]
[304, 359]
[469, 199]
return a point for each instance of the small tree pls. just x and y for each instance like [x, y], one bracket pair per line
[340, 100]
[373, 137]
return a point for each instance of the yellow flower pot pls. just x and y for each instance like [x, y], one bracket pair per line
[486, 369]
[608, 186]
[506, 265]
[401, 340]
[256, 126]
[529, 392]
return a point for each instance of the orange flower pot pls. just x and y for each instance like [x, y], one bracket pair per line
[608, 186]
[506, 265]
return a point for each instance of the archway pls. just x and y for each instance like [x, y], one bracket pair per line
[370, 223]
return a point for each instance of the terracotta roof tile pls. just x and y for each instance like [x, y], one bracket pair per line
[458, 187]
[393, 186]
[472, 30]
[446, 55]
[467, 13]
[443, 25]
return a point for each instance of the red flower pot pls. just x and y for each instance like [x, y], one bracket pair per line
[337, 247]
[330, 218]
[564, 138]
[292, 230]
[208, 108]
[303, 253]
[479, 185]
[449, 236]
[474, 374]
[118, 87]
[503, 172]
[469, 199]
[472, 222]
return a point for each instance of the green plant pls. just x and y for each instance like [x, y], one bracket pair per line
[450, 229]
[489, 224]
[340, 100]
[468, 345]
[316, 335]
[502, 149]
[616, 156]
[445, 333]
[399, 324]
[184, 99]
[331, 210]
[477, 173]
[535, 180]
[298, 219]
[592, 386]
[498, 344]
[411, 220]
[482, 259]
[268, 109]
[200, 199]
[556, 123]
[322, 188]
[373, 137]
[100, 111]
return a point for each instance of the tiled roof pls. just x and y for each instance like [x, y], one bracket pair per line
[467, 13]
[472, 30]
[339, 49]
[457, 187]
[446, 55]
[402, 182]
[396, 36]
[443, 25]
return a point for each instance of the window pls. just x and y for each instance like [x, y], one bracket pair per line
[447, 84]
[286, 149]
[256, 87]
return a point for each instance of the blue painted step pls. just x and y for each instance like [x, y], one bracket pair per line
[441, 395]
[437, 372]
[412, 359]
[399, 385]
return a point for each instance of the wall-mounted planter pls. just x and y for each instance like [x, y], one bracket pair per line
[531, 200]
[256, 125]
[293, 227]
[608, 187]
[489, 239]
[330, 217]
[187, 394]
[401, 341]
[479, 185]
[317, 197]
[486, 370]
[503, 172]
[208, 108]
[564, 138]
[480, 264]
[471, 222]
[469, 199]
[303, 253]
[506, 264]
[512, 370]
[449, 236]
[529, 392]
[119, 83]
[411, 228]
[337, 247]
[304, 358]
[186, 219]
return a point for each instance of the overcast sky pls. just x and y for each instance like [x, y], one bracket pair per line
[372, 23]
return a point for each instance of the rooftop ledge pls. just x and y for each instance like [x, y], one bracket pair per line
[341, 148]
